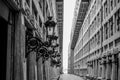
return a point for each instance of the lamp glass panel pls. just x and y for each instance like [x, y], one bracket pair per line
[54, 42]
[50, 31]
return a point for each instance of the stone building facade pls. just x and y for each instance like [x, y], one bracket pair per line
[79, 15]
[60, 12]
[20, 18]
[98, 46]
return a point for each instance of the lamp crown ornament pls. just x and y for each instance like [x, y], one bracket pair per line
[50, 22]
[50, 18]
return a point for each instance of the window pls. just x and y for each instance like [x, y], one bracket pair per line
[106, 31]
[111, 26]
[117, 42]
[105, 10]
[28, 2]
[98, 19]
[95, 40]
[98, 38]
[117, 21]
[105, 47]
[110, 45]
[111, 5]
[101, 30]
[102, 49]
[40, 23]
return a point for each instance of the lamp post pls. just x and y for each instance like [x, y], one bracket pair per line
[43, 49]
[52, 38]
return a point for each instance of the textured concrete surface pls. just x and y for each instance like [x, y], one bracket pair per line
[70, 77]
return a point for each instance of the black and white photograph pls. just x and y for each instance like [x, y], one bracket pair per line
[60, 39]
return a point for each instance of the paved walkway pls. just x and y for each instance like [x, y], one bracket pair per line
[70, 77]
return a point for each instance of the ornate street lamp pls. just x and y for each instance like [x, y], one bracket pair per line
[52, 38]
[45, 49]
[41, 48]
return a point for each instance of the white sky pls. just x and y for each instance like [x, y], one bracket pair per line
[68, 16]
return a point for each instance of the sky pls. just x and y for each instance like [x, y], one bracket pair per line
[68, 16]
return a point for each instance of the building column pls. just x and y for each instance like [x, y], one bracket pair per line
[103, 69]
[108, 69]
[118, 66]
[93, 68]
[39, 69]
[114, 68]
[22, 45]
[19, 47]
[99, 63]
[9, 57]
[96, 67]
[31, 65]
[97, 70]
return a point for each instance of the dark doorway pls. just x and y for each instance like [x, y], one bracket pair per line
[3, 47]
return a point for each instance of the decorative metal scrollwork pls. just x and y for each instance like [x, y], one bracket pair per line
[43, 49]
[55, 62]
[32, 43]
[43, 52]
[47, 44]
[51, 52]
[58, 64]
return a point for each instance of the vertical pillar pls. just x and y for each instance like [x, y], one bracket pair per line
[31, 65]
[9, 54]
[114, 25]
[47, 69]
[108, 69]
[114, 69]
[94, 68]
[22, 46]
[18, 48]
[97, 68]
[44, 71]
[118, 66]
[39, 71]
[103, 69]
[91, 70]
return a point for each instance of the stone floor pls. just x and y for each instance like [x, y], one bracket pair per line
[70, 77]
